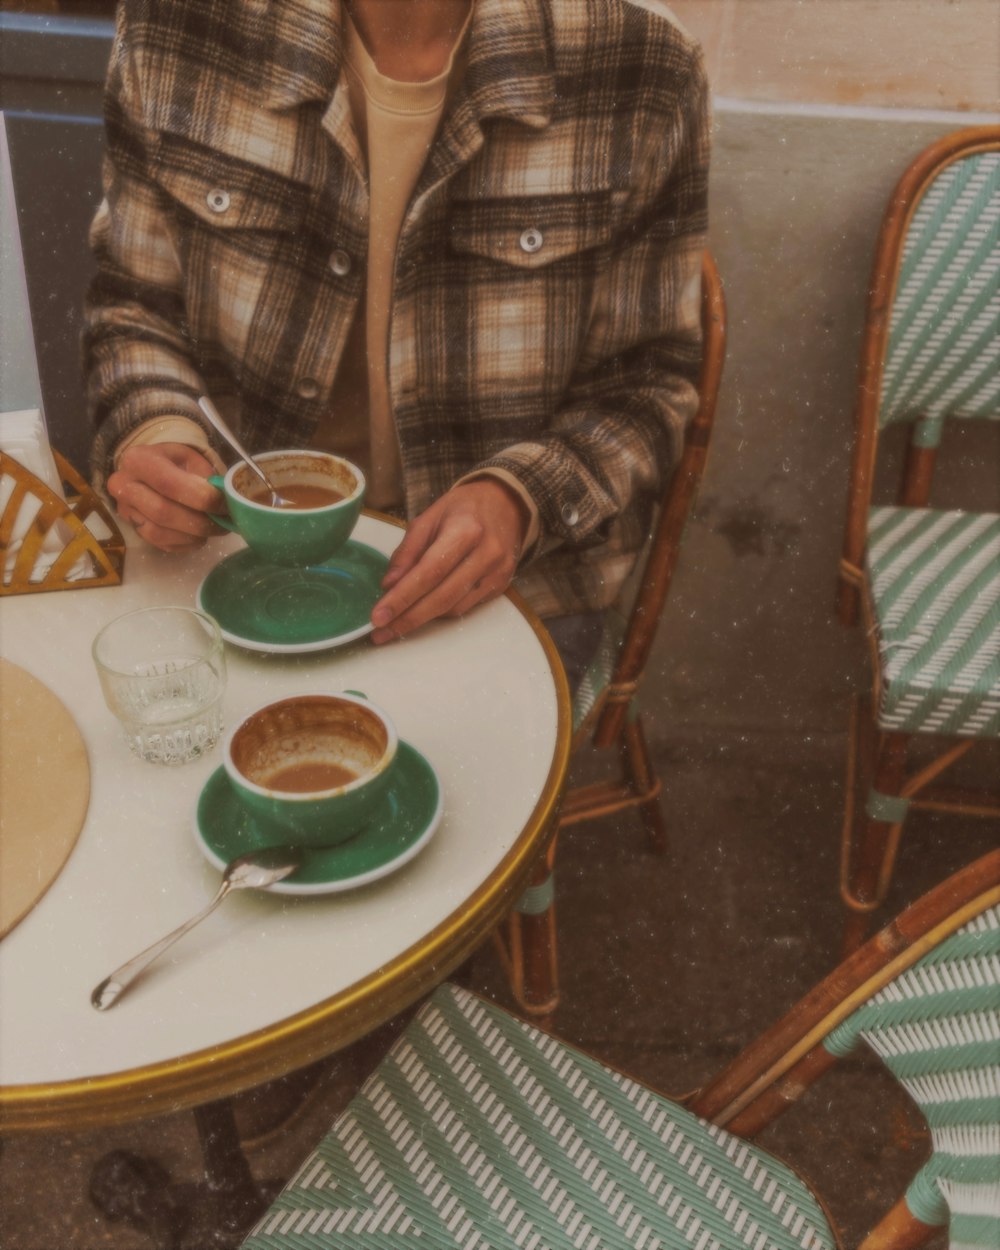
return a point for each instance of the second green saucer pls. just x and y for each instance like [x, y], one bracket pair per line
[401, 827]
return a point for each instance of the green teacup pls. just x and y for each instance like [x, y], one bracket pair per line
[312, 769]
[327, 493]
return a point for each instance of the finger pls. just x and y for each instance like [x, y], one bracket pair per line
[176, 472]
[483, 593]
[415, 542]
[447, 551]
[188, 459]
[165, 539]
[470, 581]
[142, 501]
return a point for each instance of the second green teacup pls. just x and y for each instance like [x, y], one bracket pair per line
[326, 492]
[312, 769]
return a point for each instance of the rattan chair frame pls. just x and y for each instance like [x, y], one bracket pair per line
[526, 943]
[774, 1071]
[869, 846]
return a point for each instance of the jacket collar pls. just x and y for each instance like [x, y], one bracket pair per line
[304, 52]
[509, 67]
[508, 71]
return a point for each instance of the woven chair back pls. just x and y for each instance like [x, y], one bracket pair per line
[937, 1028]
[925, 995]
[942, 356]
[931, 345]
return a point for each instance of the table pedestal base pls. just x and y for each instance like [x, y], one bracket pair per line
[213, 1214]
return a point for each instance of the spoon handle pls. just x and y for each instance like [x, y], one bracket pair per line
[108, 992]
[215, 418]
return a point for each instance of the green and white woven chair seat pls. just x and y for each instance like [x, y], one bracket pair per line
[934, 580]
[480, 1132]
[937, 1028]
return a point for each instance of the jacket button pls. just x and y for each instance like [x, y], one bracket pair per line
[218, 200]
[308, 388]
[569, 514]
[340, 262]
[530, 240]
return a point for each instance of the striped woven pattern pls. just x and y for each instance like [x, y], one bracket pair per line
[937, 1027]
[480, 1132]
[934, 580]
[943, 355]
[601, 668]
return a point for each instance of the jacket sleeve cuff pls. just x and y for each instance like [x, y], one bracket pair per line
[170, 430]
[567, 513]
[530, 507]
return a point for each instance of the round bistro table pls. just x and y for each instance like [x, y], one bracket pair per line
[268, 983]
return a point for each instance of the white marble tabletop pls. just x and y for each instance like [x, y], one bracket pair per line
[267, 982]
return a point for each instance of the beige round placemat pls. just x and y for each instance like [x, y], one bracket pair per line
[44, 790]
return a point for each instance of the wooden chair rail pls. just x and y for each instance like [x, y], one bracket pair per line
[898, 1230]
[899, 945]
[665, 545]
[604, 798]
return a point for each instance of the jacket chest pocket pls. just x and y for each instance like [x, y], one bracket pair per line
[533, 232]
[213, 189]
[237, 229]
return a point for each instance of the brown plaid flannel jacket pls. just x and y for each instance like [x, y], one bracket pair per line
[545, 316]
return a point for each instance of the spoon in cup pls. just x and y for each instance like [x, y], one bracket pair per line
[255, 870]
[215, 417]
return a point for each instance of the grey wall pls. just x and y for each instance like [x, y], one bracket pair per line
[51, 76]
[19, 385]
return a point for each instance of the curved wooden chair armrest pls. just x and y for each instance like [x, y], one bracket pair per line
[775, 1099]
[898, 1230]
[776, 1056]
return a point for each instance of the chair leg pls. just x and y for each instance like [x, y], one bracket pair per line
[871, 838]
[899, 1229]
[641, 776]
[530, 955]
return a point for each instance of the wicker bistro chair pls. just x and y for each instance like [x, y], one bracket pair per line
[928, 580]
[478, 1130]
[605, 711]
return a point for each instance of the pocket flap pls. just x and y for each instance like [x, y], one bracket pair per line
[531, 232]
[224, 192]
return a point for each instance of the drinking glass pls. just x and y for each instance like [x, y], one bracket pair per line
[163, 673]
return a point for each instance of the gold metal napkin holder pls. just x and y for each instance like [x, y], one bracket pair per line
[107, 555]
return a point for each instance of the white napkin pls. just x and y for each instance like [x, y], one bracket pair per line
[23, 437]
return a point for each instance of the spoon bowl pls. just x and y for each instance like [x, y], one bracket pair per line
[255, 870]
[215, 417]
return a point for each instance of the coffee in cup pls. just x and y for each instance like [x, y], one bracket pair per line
[298, 495]
[326, 494]
[312, 769]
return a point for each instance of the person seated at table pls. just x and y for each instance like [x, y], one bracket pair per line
[455, 241]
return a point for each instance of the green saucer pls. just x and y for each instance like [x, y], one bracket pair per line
[267, 607]
[404, 824]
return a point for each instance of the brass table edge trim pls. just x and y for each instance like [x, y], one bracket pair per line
[192, 1079]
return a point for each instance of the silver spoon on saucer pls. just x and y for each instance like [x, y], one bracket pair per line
[215, 417]
[254, 871]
